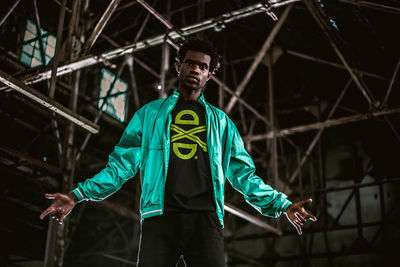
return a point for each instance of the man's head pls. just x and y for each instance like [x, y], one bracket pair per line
[196, 61]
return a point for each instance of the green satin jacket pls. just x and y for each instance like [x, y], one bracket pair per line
[145, 145]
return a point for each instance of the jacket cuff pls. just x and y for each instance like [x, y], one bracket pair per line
[285, 205]
[79, 194]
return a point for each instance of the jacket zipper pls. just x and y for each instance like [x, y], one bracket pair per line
[209, 156]
[167, 145]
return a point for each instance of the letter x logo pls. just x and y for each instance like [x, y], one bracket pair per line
[189, 134]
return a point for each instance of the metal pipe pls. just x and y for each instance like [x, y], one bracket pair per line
[321, 18]
[100, 26]
[376, 6]
[48, 103]
[357, 178]
[250, 218]
[133, 82]
[39, 33]
[53, 78]
[324, 124]
[257, 59]
[147, 43]
[165, 53]
[391, 84]
[249, 107]
[156, 14]
[274, 145]
[244, 103]
[336, 65]
[358, 185]
[318, 135]
[9, 11]
[392, 127]
[100, 110]
[346, 203]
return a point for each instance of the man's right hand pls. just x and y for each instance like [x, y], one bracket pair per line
[61, 207]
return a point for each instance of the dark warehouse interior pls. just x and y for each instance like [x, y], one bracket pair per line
[313, 86]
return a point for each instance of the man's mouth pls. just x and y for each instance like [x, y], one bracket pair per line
[192, 78]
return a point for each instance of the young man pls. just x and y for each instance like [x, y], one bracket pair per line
[185, 149]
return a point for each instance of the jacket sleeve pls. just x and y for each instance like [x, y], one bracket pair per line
[241, 174]
[123, 163]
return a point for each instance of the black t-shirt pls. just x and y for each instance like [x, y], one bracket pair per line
[189, 186]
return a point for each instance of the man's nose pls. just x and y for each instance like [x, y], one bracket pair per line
[195, 69]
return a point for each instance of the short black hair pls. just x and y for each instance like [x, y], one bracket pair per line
[200, 45]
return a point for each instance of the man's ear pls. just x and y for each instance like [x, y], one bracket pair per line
[209, 75]
[177, 65]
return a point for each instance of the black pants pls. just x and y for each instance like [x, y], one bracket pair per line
[196, 236]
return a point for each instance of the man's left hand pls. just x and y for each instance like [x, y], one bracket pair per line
[297, 215]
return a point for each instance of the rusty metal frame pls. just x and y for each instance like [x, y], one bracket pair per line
[48, 103]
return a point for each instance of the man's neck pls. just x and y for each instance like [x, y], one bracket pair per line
[189, 94]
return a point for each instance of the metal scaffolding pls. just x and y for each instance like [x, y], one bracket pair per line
[77, 59]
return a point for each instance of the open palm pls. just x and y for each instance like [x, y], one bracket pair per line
[297, 215]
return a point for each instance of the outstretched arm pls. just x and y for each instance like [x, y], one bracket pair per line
[241, 173]
[297, 215]
[61, 206]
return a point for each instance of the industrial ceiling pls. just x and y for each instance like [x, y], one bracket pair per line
[312, 85]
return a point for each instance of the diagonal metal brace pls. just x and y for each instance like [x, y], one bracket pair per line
[48, 103]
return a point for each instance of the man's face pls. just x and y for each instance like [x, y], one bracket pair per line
[194, 71]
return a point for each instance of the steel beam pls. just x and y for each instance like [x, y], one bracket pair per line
[319, 125]
[250, 218]
[9, 11]
[149, 42]
[39, 33]
[336, 65]
[53, 78]
[257, 59]
[391, 84]
[56, 58]
[321, 18]
[376, 6]
[274, 144]
[157, 15]
[100, 110]
[244, 103]
[133, 82]
[352, 186]
[57, 234]
[100, 26]
[165, 55]
[48, 103]
[392, 127]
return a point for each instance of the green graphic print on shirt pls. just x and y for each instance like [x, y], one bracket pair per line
[190, 134]
[188, 186]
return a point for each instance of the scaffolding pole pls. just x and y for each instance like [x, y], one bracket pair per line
[100, 26]
[321, 18]
[257, 59]
[9, 11]
[90, 60]
[48, 103]
[376, 6]
[319, 125]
